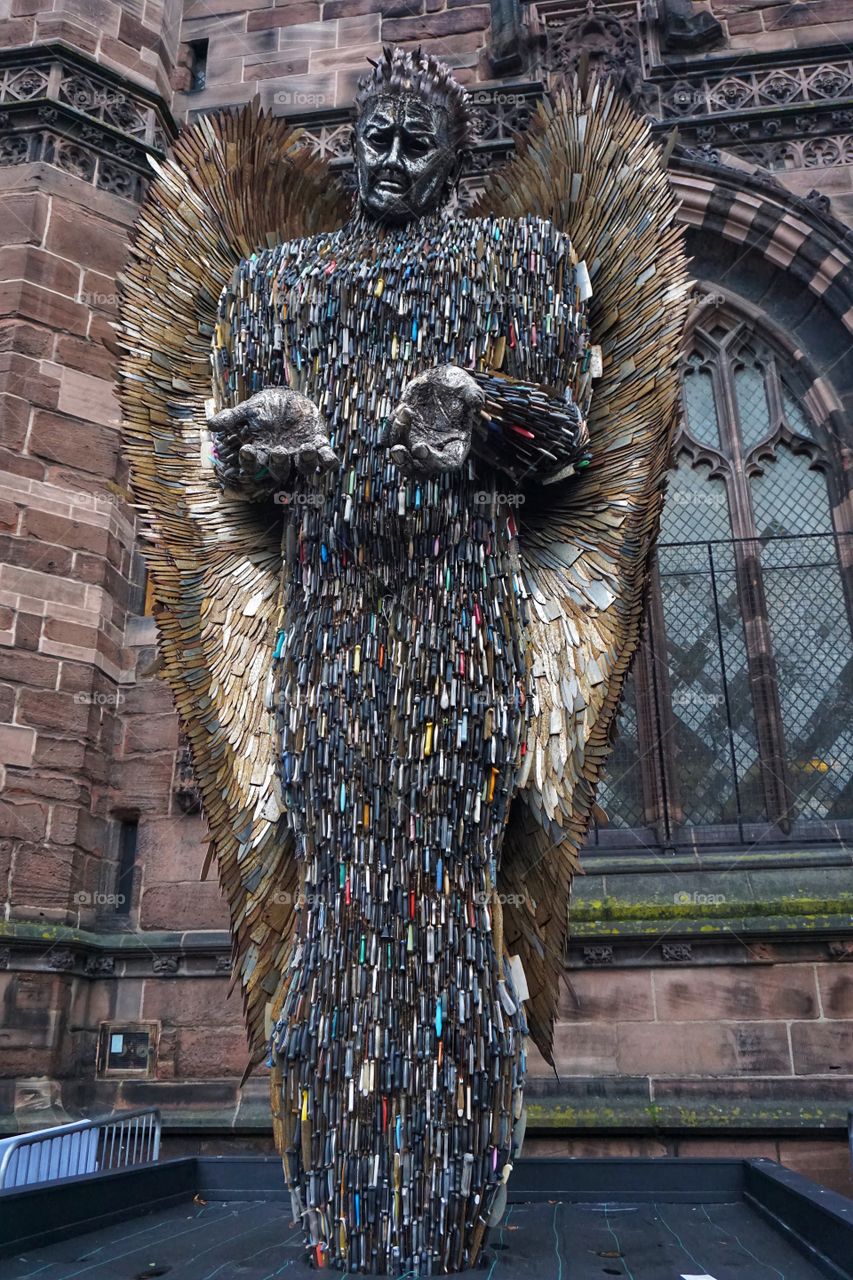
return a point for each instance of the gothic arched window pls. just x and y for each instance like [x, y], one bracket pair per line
[737, 720]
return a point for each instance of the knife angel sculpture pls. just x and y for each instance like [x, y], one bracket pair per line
[397, 599]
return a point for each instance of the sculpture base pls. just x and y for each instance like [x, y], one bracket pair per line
[223, 1218]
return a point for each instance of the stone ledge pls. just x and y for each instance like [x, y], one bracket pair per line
[565, 1107]
[647, 1104]
[766, 899]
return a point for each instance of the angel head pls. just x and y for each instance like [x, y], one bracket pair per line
[414, 128]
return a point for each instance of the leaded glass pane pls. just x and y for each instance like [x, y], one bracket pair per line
[696, 514]
[699, 409]
[789, 497]
[716, 765]
[752, 406]
[696, 509]
[810, 634]
[797, 420]
[620, 791]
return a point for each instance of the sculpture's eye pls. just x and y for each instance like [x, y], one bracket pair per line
[379, 137]
[418, 143]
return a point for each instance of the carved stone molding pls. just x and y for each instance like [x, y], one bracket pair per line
[684, 27]
[604, 37]
[676, 952]
[598, 955]
[795, 113]
[130, 953]
[796, 83]
[63, 110]
[186, 789]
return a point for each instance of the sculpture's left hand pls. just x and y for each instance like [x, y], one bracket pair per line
[431, 426]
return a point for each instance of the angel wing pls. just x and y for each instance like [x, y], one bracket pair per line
[588, 163]
[234, 182]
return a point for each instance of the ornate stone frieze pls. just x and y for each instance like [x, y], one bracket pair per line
[788, 110]
[58, 108]
[700, 93]
[138, 958]
[604, 36]
[676, 952]
[785, 115]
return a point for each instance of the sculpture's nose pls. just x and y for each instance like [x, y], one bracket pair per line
[394, 159]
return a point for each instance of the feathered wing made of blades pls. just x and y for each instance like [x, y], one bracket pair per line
[588, 163]
[234, 183]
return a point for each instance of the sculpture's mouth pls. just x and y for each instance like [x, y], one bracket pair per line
[391, 184]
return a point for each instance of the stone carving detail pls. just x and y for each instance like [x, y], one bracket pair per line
[165, 964]
[710, 95]
[98, 99]
[111, 177]
[86, 114]
[14, 150]
[331, 141]
[820, 200]
[79, 92]
[186, 789]
[808, 153]
[74, 159]
[5, 957]
[223, 964]
[755, 128]
[598, 955]
[609, 42]
[24, 86]
[61, 958]
[503, 113]
[709, 154]
[676, 952]
[682, 27]
[100, 966]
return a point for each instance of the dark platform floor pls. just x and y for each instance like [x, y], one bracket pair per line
[251, 1240]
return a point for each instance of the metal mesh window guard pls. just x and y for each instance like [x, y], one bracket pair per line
[702, 712]
[736, 728]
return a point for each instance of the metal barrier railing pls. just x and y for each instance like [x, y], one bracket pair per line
[86, 1146]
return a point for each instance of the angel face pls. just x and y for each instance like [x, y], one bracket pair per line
[404, 161]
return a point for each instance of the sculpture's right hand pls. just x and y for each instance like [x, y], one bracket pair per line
[277, 429]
